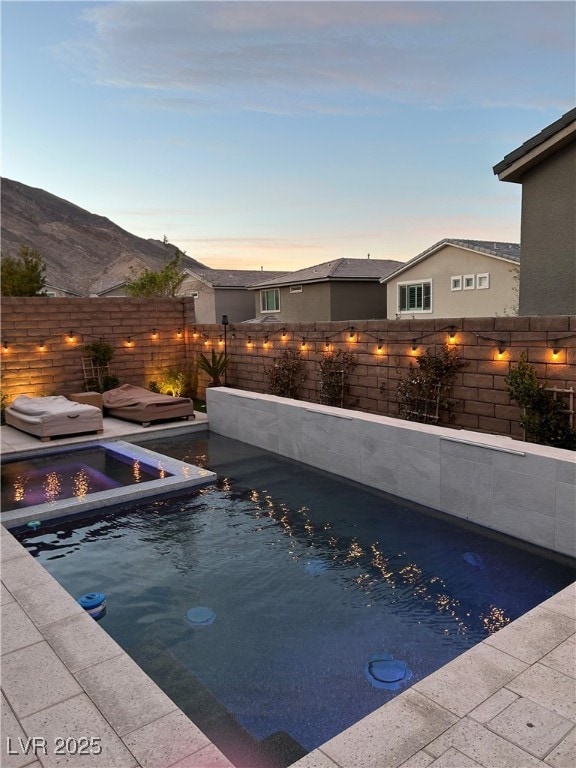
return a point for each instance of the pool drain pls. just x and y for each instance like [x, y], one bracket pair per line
[200, 616]
[383, 671]
[473, 559]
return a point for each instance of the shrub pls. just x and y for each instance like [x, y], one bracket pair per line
[335, 367]
[287, 374]
[425, 390]
[543, 419]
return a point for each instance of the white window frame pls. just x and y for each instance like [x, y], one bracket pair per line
[456, 283]
[483, 277]
[295, 289]
[264, 291]
[415, 283]
[195, 294]
[468, 287]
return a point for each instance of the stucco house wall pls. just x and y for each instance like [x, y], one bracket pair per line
[500, 298]
[548, 234]
[357, 301]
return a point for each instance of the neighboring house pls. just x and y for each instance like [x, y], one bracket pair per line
[220, 292]
[545, 165]
[57, 292]
[343, 289]
[456, 278]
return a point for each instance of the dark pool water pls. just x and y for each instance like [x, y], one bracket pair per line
[309, 578]
[47, 479]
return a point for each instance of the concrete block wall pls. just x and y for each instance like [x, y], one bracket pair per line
[58, 369]
[523, 490]
[481, 401]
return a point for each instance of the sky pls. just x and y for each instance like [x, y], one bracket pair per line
[279, 135]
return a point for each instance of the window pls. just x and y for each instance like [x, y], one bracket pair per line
[195, 294]
[295, 289]
[270, 300]
[469, 282]
[415, 297]
[483, 280]
[456, 283]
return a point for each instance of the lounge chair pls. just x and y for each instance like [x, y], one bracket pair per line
[140, 405]
[52, 416]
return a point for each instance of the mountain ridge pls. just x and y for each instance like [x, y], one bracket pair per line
[84, 252]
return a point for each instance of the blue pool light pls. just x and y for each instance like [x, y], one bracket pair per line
[200, 616]
[94, 603]
[473, 559]
[383, 671]
[34, 524]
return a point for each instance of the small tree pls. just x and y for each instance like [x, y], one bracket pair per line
[97, 375]
[23, 275]
[543, 418]
[286, 375]
[425, 390]
[335, 367]
[161, 283]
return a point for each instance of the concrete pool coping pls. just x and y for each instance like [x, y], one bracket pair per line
[508, 702]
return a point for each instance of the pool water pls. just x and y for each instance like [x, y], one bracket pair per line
[50, 478]
[302, 582]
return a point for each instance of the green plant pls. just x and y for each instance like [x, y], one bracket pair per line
[3, 404]
[335, 368]
[159, 283]
[543, 419]
[286, 375]
[97, 376]
[178, 382]
[425, 390]
[23, 275]
[214, 367]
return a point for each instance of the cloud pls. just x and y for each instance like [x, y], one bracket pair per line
[329, 57]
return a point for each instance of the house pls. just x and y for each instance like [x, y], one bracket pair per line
[545, 166]
[456, 278]
[220, 292]
[342, 289]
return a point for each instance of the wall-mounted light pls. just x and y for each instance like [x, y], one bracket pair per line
[556, 349]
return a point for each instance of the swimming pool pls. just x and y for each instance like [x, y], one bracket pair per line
[83, 478]
[309, 578]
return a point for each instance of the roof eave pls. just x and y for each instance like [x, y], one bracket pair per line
[513, 169]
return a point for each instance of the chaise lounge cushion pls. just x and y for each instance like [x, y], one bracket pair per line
[51, 416]
[138, 404]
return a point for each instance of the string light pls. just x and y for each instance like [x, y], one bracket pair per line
[71, 337]
[154, 333]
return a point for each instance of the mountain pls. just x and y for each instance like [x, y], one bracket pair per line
[83, 252]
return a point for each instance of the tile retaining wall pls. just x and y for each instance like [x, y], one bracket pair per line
[527, 491]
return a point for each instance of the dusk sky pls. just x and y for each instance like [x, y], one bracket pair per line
[284, 134]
